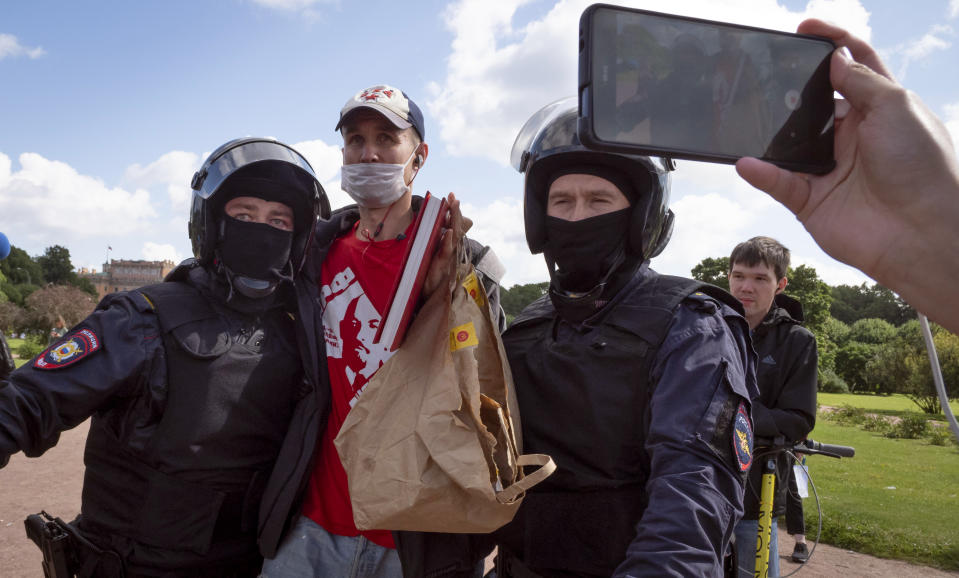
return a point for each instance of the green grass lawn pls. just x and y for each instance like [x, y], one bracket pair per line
[14, 344]
[897, 498]
[885, 404]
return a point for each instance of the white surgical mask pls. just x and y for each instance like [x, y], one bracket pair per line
[374, 185]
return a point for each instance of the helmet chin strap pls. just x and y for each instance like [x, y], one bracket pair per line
[578, 306]
[253, 288]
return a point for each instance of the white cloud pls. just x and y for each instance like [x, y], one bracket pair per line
[160, 252]
[917, 50]
[50, 200]
[10, 47]
[172, 170]
[500, 225]
[953, 8]
[831, 271]
[325, 159]
[499, 73]
[707, 225]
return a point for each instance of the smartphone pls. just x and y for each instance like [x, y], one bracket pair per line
[686, 88]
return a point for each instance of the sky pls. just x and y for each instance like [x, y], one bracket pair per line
[107, 108]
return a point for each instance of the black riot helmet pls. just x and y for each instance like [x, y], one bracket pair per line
[259, 167]
[549, 143]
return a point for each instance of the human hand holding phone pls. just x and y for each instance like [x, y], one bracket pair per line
[891, 204]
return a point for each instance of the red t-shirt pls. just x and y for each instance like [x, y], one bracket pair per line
[356, 279]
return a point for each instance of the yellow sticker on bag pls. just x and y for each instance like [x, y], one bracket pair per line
[463, 336]
[472, 286]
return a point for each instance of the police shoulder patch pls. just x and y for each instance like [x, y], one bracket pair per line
[70, 349]
[743, 438]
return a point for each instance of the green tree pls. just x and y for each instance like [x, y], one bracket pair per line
[52, 302]
[20, 269]
[852, 303]
[864, 341]
[56, 265]
[851, 360]
[902, 366]
[18, 293]
[12, 318]
[85, 285]
[517, 297]
[713, 270]
[832, 334]
[807, 288]
[872, 331]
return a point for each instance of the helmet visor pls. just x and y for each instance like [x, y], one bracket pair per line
[240, 154]
[541, 119]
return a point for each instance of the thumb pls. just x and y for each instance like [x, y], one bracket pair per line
[787, 187]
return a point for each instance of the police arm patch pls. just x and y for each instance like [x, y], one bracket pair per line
[743, 438]
[70, 349]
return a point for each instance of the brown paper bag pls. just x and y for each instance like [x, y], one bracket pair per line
[431, 445]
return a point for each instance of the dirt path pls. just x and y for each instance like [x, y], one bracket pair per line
[53, 482]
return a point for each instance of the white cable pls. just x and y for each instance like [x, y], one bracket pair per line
[937, 375]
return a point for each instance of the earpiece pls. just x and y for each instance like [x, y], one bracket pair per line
[419, 160]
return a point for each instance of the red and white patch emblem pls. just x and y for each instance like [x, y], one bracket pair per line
[69, 350]
[376, 94]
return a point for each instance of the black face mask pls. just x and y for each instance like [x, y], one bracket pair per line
[585, 251]
[256, 251]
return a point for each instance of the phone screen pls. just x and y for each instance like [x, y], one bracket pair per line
[702, 90]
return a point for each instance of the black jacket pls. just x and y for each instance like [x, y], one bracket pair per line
[284, 494]
[639, 407]
[176, 380]
[787, 374]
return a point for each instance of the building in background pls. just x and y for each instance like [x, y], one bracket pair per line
[124, 275]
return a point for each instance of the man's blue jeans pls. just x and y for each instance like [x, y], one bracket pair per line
[309, 550]
[746, 548]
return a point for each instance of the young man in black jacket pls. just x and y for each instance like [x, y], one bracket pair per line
[786, 372]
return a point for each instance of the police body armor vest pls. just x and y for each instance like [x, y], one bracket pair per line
[193, 492]
[584, 401]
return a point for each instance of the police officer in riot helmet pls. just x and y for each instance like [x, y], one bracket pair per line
[589, 259]
[638, 384]
[192, 383]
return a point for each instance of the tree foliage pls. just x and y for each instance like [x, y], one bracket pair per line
[517, 297]
[871, 331]
[18, 293]
[85, 285]
[830, 336]
[56, 265]
[12, 317]
[902, 365]
[713, 270]
[20, 269]
[807, 288]
[46, 305]
[851, 360]
[852, 303]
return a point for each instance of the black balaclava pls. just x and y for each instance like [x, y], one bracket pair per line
[255, 257]
[589, 259]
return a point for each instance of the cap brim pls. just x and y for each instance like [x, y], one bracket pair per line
[398, 121]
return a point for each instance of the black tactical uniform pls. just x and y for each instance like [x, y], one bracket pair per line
[192, 384]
